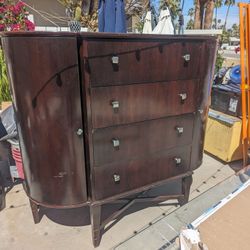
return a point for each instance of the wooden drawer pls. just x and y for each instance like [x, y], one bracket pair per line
[117, 178]
[116, 63]
[122, 143]
[133, 103]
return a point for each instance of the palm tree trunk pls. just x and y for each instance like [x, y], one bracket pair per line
[94, 6]
[86, 5]
[228, 8]
[202, 8]
[209, 14]
[183, 2]
[197, 15]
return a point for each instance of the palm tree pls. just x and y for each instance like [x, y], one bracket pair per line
[197, 16]
[214, 24]
[173, 6]
[228, 3]
[191, 12]
[218, 4]
[190, 24]
[235, 30]
[210, 4]
[182, 5]
[199, 13]
[219, 23]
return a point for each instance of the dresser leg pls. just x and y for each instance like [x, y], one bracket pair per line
[186, 184]
[35, 211]
[95, 214]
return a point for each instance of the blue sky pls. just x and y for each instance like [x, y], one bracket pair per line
[233, 16]
[233, 13]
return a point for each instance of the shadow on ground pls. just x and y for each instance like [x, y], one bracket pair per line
[80, 216]
[235, 165]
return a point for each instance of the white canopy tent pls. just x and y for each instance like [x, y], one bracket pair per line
[147, 27]
[164, 25]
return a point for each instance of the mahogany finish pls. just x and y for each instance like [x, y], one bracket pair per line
[139, 172]
[162, 134]
[46, 89]
[102, 117]
[139, 61]
[141, 102]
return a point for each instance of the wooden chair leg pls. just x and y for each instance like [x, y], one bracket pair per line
[95, 214]
[35, 211]
[186, 184]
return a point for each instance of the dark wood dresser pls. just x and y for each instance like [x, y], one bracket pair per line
[103, 117]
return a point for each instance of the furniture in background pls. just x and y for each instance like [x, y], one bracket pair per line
[223, 136]
[226, 102]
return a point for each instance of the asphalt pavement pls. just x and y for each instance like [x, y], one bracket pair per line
[230, 54]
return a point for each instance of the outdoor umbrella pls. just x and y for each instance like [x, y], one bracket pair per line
[111, 16]
[147, 27]
[164, 25]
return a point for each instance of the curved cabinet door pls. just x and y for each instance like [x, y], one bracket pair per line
[46, 90]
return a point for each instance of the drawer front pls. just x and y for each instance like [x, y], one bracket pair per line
[134, 103]
[116, 63]
[129, 142]
[118, 178]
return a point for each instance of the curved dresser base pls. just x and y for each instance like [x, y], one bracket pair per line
[96, 207]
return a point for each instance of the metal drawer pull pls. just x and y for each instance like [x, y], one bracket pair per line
[116, 143]
[180, 130]
[183, 97]
[79, 132]
[115, 59]
[177, 160]
[115, 105]
[187, 57]
[117, 178]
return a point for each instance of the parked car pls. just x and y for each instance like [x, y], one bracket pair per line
[237, 49]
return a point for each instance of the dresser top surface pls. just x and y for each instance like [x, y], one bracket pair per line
[86, 35]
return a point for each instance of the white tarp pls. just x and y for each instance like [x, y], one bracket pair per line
[164, 25]
[190, 240]
[147, 27]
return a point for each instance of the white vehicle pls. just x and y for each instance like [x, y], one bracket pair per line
[224, 46]
[233, 43]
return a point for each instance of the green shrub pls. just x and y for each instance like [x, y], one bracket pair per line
[4, 83]
[219, 62]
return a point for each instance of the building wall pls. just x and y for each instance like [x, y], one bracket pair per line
[135, 21]
[53, 10]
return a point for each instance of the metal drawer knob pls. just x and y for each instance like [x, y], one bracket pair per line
[116, 143]
[177, 160]
[179, 130]
[115, 59]
[187, 57]
[117, 178]
[79, 132]
[183, 97]
[115, 105]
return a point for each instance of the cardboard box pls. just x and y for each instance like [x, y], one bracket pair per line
[223, 136]
[5, 105]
